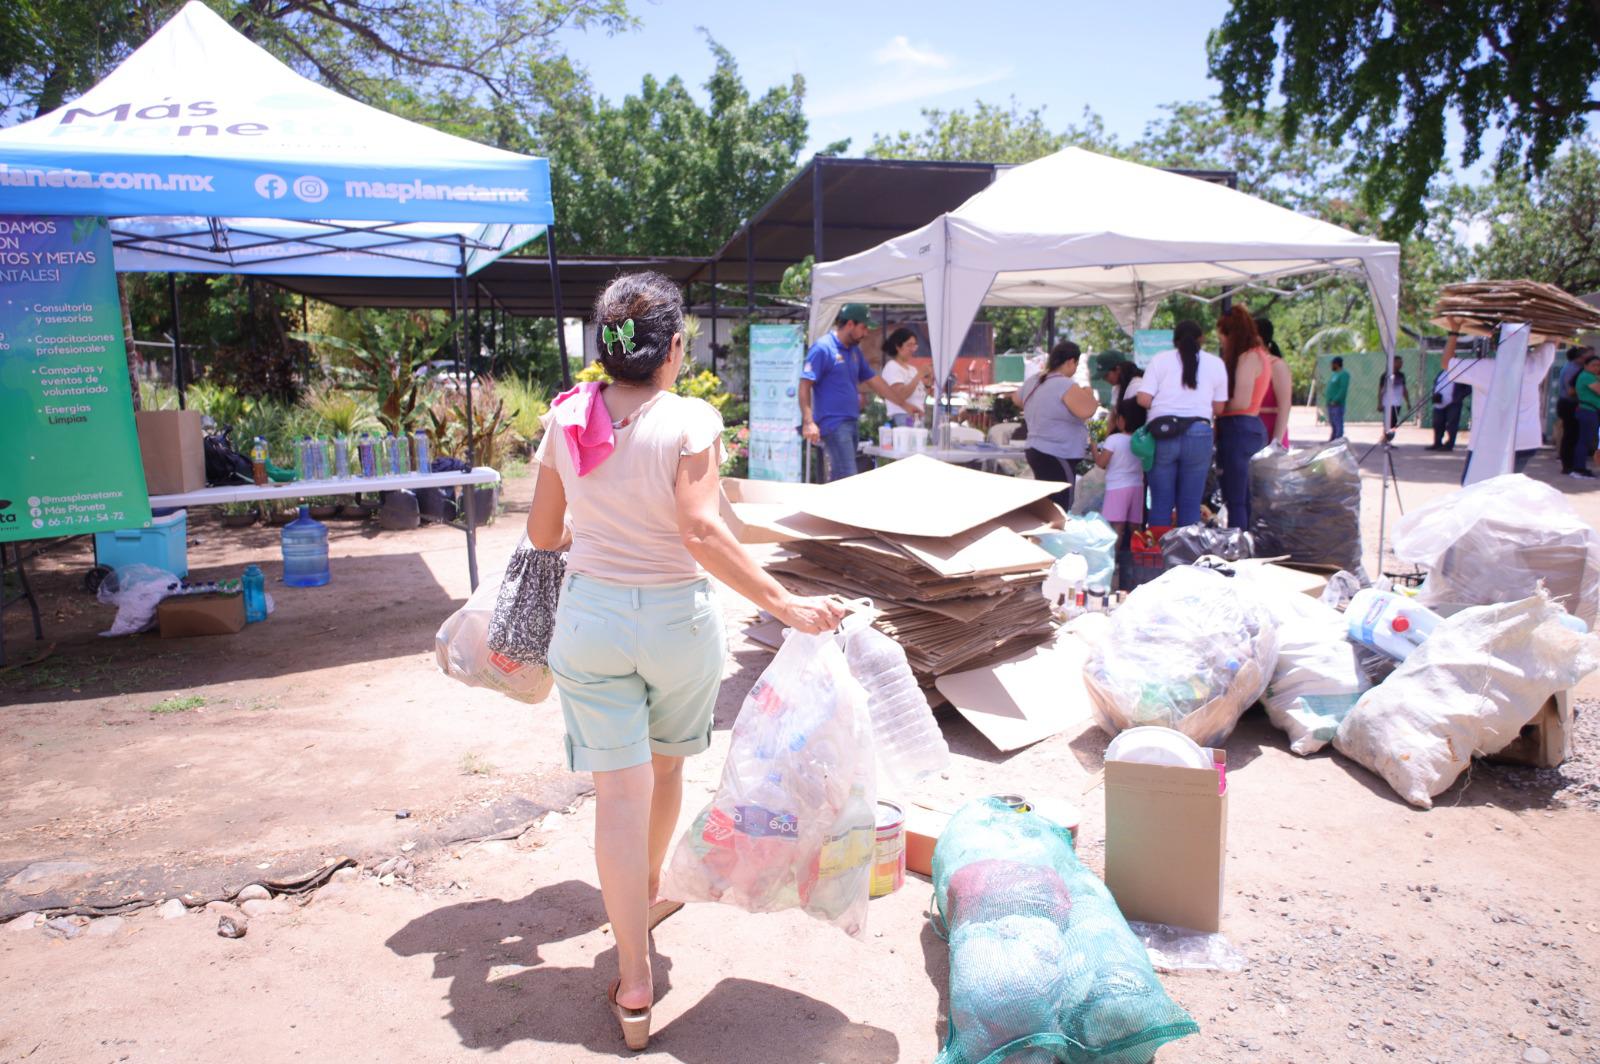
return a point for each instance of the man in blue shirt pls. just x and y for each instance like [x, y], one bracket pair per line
[830, 397]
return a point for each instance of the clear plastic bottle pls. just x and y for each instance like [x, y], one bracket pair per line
[397, 454]
[907, 738]
[424, 458]
[367, 456]
[258, 461]
[305, 551]
[844, 868]
[341, 457]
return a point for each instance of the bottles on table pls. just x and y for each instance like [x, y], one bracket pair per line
[258, 461]
[366, 456]
[909, 743]
[305, 551]
[255, 594]
[424, 457]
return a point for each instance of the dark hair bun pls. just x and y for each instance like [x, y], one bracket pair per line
[655, 306]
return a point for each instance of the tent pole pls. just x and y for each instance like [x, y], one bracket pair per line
[178, 381]
[750, 269]
[1050, 327]
[458, 299]
[555, 305]
[713, 315]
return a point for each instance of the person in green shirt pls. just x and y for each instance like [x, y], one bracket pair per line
[1338, 392]
[1587, 388]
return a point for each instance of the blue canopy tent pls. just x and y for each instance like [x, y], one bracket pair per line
[208, 155]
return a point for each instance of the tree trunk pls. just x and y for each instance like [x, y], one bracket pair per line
[127, 339]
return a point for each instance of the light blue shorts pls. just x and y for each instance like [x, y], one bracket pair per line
[638, 669]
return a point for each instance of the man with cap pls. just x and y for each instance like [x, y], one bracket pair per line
[830, 400]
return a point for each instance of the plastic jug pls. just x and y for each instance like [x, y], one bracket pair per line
[909, 743]
[255, 594]
[305, 552]
[1388, 622]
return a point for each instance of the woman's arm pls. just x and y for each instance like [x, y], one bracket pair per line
[708, 540]
[1102, 457]
[547, 517]
[1080, 402]
[1282, 386]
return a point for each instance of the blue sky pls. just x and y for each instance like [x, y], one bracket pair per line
[872, 66]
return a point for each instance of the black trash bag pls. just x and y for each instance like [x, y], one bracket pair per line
[1306, 504]
[1186, 545]
[224, 465]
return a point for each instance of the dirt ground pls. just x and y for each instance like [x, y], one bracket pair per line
[136, 770]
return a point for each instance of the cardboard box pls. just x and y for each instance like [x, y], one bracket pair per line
[172, 447]
[923, 828]
[187, 615]
[1167, 842]
[1545, 741]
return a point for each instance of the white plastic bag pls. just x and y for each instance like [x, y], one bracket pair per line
[136, 591]
[1467, 690]
[1089, 492]
[792, 823]
[461, 647]
[1494, 541]
[1318, 677]
[1190, 650]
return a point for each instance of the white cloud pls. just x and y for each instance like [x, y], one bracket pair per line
[899, 87]
[901, 52]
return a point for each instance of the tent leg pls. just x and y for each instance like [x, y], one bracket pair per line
[468, 491]
[1050, 327]
[178, 380]
[555, 302]
[714, 317]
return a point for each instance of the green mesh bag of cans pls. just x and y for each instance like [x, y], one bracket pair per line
[1043, 967]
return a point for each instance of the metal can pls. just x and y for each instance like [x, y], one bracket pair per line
[1015, 802]
[888, 850]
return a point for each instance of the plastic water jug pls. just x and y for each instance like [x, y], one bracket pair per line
[305, 552]
[1388, 622]
[255, 594]
[907, 738]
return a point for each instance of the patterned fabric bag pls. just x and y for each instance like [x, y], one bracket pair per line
[525, 611]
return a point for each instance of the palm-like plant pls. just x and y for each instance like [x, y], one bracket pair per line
[341, 412]
[385, 359]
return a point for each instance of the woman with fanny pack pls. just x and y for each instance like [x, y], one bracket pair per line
[638, 649]
[1183, 389]
[1240, 430]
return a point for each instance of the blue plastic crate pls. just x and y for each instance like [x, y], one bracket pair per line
[165, 545]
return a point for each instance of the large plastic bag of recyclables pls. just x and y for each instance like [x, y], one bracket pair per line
[1043, 967]
[1306, 503]
[1494, 541]
[1190, 650]
[463, 652]
[791, 825]
[1091, 536]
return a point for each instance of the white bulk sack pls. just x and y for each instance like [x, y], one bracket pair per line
[1467, 690]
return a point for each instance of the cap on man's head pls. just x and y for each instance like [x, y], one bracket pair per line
[1337, 363]
[856, 312]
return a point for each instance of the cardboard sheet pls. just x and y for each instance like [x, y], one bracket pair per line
[759, 511]
[989, 548]
[1026, 699]
[919, 496]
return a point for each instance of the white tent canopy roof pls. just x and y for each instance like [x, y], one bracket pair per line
[211, 155]
[1078, 229]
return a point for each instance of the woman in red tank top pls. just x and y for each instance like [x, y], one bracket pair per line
[1240, 432]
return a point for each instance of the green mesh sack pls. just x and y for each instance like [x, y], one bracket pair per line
[1043, 967]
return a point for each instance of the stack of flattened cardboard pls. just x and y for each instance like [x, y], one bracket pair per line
[942, 552]
[1475, 308]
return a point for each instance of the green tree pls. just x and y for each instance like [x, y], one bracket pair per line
[1388, 76]
[660, 174]
[991, 133]
[1547, 229]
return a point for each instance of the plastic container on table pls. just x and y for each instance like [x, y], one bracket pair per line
[164, 545]
[305, 551]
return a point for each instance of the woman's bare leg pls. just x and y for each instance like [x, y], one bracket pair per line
[622, 853]
[666, 799]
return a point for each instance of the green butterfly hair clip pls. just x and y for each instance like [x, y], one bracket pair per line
[618, 334]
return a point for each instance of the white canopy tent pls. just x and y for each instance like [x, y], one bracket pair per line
[1077, 229]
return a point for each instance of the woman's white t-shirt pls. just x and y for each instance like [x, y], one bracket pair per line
[1124, 470]
[624, 513]
[1163, 381]
[896, 372]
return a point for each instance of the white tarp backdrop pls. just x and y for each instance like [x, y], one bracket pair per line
[1077, 229]
[210, 155]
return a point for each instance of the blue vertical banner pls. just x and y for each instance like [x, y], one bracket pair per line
[1148, 343]
[776, 352]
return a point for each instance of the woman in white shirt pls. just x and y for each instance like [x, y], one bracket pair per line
[638, 650]
[907, 382]
[1183, 389]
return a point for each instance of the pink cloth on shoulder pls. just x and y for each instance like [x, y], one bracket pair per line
[581, 416]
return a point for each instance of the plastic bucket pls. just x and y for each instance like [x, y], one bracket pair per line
[888, 850]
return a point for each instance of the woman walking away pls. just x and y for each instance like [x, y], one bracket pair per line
[1183, 389]
[1278, 403]
[638, 647]
[1240, 432]
[1057, 409]
[907, 384]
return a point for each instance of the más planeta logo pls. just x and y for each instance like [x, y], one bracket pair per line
[6, 518]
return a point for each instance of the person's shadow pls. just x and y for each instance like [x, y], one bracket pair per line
[501, 992]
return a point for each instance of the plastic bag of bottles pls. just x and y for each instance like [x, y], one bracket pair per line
[1496, 540]
[461, 648]
[1306, 504]
[1190, 650]
[792, 824]
[1089, 492]
[1091, 536]
[1043, 967]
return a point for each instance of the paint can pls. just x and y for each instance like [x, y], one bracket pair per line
[888, 850]
[1015, 802]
